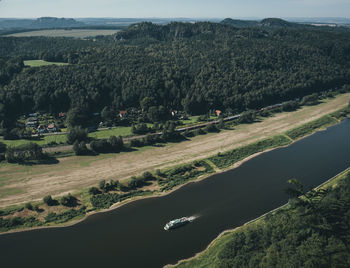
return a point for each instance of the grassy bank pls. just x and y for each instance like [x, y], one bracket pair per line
[302, 238]
[227, 159]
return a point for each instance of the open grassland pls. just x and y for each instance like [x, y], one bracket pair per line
[76, 33]
[74, 173]
[39, 63]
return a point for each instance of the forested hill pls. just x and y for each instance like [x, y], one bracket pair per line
[182, 66]
[268, 22]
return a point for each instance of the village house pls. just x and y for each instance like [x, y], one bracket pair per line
[52, 128]
[123, 114]
[41, 129]
[32, 122]
[218, 112]
[61, 115]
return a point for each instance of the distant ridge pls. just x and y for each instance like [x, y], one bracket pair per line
[268, 22]
[276, 22]
[40, 23]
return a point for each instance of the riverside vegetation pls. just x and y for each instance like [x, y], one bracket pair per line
[73, 207]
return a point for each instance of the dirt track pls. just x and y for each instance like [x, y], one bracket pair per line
[74, 173]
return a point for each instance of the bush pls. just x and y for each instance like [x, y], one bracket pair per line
[80, 148]
[212, 128]
[310, 99]
[290, 106]
[68, 201]
[28, 206]
[198, 131]
[247, 117]
[49, 201]
[94, 191]
[2, 147]
[140, 129]
[24, 152]
[77, 134]
[137, 143]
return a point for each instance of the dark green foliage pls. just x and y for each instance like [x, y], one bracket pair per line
[112, 145]
[308, 128]
[94, 191]
[227, 159]
[2, 147]
[106, 200]
[310, 99]
[25, 152]
[198, 131]
[315, 233]
[68, 201]
[179, 66]
[140, 129]
[80, 148]
[49, 201]
[290, 106]
[28, 206]
[102, 185]
[65, 216]
[182, 174]
[17, 222]
[212, 128]
[77, 134]
[247, 117]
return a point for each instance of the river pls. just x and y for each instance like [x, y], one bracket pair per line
[133, 235]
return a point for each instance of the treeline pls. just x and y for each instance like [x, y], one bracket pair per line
[180, 66]
[23, 153]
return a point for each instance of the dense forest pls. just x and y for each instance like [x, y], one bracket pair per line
[179, 66]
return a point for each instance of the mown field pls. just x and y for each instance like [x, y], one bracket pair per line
[76, 33]
[38, 63]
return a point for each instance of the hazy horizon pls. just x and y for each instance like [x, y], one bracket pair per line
[195, 9]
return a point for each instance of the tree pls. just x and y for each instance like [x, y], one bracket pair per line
[49, 201]
[77, 134]
[80, 148]
[94, 191]
[68, 201]
[77, 117]
[102, 185]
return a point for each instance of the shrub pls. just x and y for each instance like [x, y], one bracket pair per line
[49, 201]
[29, 206]
[80, 148]
[77, 134]
[68, 201]
[211, 128]
[94, 191]
[24, 152]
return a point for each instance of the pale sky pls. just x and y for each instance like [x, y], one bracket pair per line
[174, 8]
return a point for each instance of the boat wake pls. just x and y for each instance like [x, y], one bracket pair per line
[192, 218]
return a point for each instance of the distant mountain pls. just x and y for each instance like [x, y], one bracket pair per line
[40, 23]
[50, 22]
[276, 22]
[269, 22]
